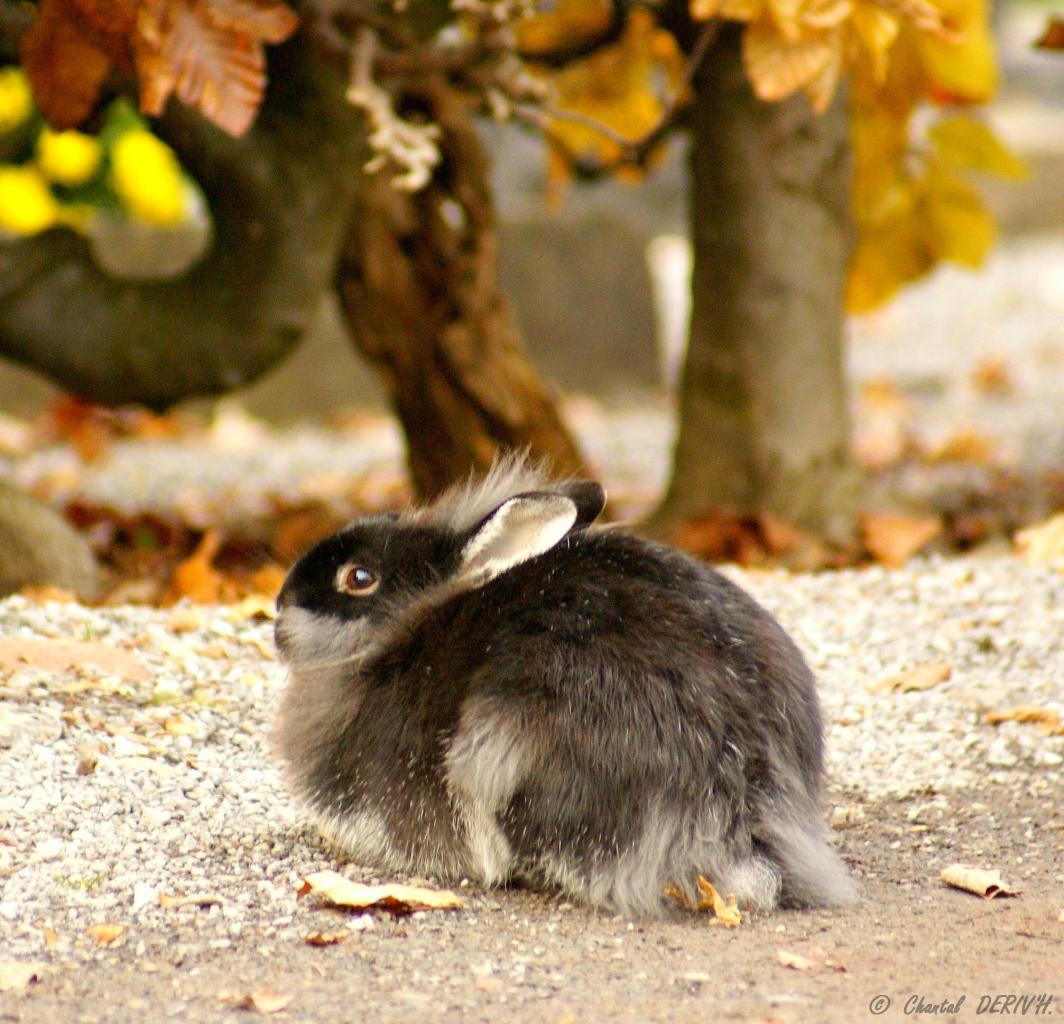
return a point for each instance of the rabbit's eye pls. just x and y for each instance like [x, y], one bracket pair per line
[357, 580]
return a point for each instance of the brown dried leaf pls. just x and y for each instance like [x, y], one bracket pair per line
[922, 677]
[893, 539]
[1053, 37]
[268, 20]
[105, 934]
[1046, 718]
[14, 974]
[213, 60]
[983, 883]
[1043, 543]
[65, 65]
[395, 898]
[325, 938]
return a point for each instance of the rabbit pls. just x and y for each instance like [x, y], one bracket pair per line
[494, 688]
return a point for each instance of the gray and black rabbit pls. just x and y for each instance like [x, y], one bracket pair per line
[492, 687]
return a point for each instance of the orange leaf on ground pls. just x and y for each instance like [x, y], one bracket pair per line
[105, 934]
[1044, 542]
[1046, 718]
[894, 539]
[922, 677]
[963, 445]
[723, 909]
[196, 578]
[325, 938]
[992, 377]
[398, 899]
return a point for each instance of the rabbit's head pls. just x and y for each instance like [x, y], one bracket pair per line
[348, 596]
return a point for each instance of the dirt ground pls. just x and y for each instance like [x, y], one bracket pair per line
[911, 949]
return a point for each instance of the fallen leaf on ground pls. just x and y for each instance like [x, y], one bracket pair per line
[982, 882]
[965, 445]
[43, 594]
[14, 974]
[796, 961]
[263, 1000]
[57, 656]
[991, 377]
[1046, 718]
[922, 677]
[894, 539]
[1043, 542]
[325, 938]
[398, 899]
[725, 910]
[105, 934]
[254, 606]
[198, 899]
[882, 430]
[195, 577]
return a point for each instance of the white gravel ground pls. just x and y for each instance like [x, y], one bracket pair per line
[152, 775]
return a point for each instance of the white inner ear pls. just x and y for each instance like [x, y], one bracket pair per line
[519, 529]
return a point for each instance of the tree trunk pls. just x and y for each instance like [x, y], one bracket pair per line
[417, 281]
[279, 197]
[764, 422]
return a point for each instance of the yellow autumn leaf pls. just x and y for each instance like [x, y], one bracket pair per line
[822, 14]
[399, 899]
[734, 10]
[616, 86]
[566, 22]
[965, 142]
[959, 226]
[875, 31]
[776, 66]
[960, 64]
[888, 255]
[725, 909]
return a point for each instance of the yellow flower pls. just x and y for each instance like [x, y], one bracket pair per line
[16, 100]
[147, 177]
[67, 158]
[26, 203]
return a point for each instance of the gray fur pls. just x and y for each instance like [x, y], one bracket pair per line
[523, 694]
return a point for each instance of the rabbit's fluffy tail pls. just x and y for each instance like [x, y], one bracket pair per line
[811, 872]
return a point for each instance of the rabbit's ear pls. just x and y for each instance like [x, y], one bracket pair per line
[588, 497]
[519, 529]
